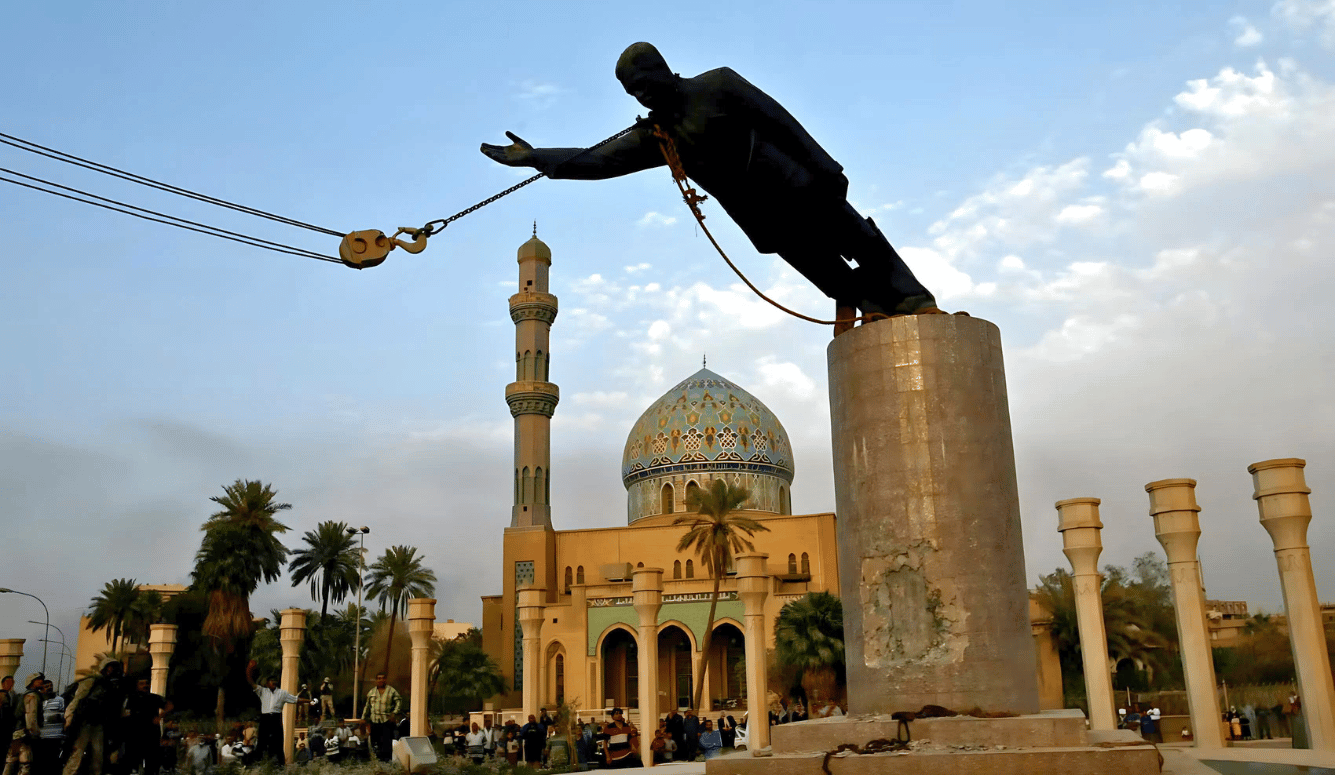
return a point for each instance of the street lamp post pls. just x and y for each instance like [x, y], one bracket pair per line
[59, 670]
[357, 623]
[4, 590]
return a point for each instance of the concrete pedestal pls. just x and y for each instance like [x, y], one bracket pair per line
[421, 623]
[936, 607]
[11, 654]
[291, 634]
[161, 644]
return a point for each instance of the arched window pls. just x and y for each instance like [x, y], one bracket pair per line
[570, 575]
[539, 486]
[560, 679]
[546, 368]
[538, 366]
[639, 565]
[526, 493]
[516, 485]
[690, 569]
[579, 575]
[547, 487]
[806, 564]
[519, 365]
[676, 569]
[792, 563]
[692, 492]
[667, 506]
[527, 371]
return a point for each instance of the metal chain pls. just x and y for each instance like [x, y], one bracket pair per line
[438, 225]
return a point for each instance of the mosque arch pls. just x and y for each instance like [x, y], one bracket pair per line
[570, 577]
[692, 492]
[526, 490]
[690, 569]
[639, 565]
[539, 367]
[519, 365]
[668, 505]
[554, 672]
[547, 487]
[727, 672]
[806, 564]
[539, 486]
[792, 564]
[527, 371]
[516, 485]
[579, 575]
[676, 665]
[618, 652]
[676, 569]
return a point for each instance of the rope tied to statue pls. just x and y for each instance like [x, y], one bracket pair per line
[693, 200]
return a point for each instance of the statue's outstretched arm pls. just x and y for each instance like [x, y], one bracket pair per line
[634, 152]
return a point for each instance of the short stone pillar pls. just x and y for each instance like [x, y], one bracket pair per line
[161, 644]
[421, 625]
[291, 634]
[753, 587]
[1078, 522]
[1281, 496]
[11, 654]
[931, 562]
[647, 588]
[1177, 526]
[531, 613]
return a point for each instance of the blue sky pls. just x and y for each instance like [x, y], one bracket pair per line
[1137, 193]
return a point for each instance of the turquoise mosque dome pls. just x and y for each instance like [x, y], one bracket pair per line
[706, 427]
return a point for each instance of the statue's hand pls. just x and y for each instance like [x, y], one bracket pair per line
[517, 154]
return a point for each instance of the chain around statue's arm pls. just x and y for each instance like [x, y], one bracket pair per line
[636, 151]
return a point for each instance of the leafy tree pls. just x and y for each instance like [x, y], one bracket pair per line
[714, 533]
[809, 635]
[240, 549]
[114, 608]
[463, 671]
[397, 576]
[328, 562]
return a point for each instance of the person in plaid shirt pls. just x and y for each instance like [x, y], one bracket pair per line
[383, 706]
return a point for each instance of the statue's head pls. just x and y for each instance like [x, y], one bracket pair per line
[645, 75]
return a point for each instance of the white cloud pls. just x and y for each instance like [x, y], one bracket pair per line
[1232, 93]
[640, 267]
[1303, 15]
[1248, 35]
[1077, 214]
[651, 219]
[785, 376]
[538, 94]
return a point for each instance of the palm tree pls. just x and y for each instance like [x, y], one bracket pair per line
[329, 563]
[463, 669]
[147, 610]
[114, 608]
[395, 577]
[240, 549]
[714, 532]
[809, 635]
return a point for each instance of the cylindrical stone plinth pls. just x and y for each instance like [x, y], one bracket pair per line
[936, 608]
[753, 587]
[1177, 526]
[421, 625]
[291, 634]
[1281, 496]
[1078, 522]
[11, 654]
[161, 644]
[531, 613]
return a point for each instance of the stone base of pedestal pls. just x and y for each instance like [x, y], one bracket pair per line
[1053, 741]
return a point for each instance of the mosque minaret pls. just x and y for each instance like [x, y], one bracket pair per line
[531, 397]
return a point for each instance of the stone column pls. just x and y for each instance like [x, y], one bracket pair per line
[936, 607]
[1078, 522]
[291, 633]
[1177, 526]
[531, 613]
[753, 587]
[1281, 496]
[647, 587]
[161, 644]
[421, 625]
[11, 654]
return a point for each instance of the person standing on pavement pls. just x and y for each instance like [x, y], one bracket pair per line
[691, 738]
[383, 706]
[27, 728]
[49, 748]
[143, 731]
[272, 700]
[327, 700]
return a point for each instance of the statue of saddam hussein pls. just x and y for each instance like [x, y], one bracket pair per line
[751, 155]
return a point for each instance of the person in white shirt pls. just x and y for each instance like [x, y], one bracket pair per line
[228, 754]
[272, 700]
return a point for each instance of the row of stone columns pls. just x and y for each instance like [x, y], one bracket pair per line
[753, 587]
[1281, 494]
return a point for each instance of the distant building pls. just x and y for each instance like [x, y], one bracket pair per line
[450, 629]
[90, 643]
[1225, 619]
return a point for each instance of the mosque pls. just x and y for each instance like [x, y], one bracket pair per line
[570, 622]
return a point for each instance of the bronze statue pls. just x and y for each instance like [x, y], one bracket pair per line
[751, 155]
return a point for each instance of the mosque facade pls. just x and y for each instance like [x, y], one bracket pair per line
[616, 616]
